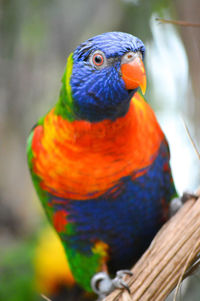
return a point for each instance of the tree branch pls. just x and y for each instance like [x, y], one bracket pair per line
[169, 257]
[178, 22]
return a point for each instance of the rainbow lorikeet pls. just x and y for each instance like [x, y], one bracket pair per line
[100, 162]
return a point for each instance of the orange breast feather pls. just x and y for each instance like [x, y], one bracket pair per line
[82, 160]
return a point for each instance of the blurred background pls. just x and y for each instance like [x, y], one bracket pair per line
[35, 39]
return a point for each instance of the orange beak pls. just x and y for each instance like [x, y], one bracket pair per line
[133, 74]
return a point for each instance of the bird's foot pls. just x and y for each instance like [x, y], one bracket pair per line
[103, 285]
[188, 196]
[177, 203]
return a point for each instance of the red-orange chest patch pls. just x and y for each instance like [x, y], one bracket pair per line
[82, 160]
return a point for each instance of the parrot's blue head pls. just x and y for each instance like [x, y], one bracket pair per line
[107, 71]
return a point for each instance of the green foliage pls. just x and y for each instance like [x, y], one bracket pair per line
[17, 273]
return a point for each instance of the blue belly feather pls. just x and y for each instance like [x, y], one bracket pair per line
[126, 219]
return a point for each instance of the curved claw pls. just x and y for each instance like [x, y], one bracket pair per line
[122, 273]
[126, 287]
[102, 285]
[118, 281]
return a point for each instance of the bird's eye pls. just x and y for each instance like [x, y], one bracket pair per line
[129, 56]
[98, 59]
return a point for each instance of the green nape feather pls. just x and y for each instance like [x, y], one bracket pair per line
[64, 106]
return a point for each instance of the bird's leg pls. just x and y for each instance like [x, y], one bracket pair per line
[177, 203]
[103, 285]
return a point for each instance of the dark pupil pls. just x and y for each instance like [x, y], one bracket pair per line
[98, 59]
